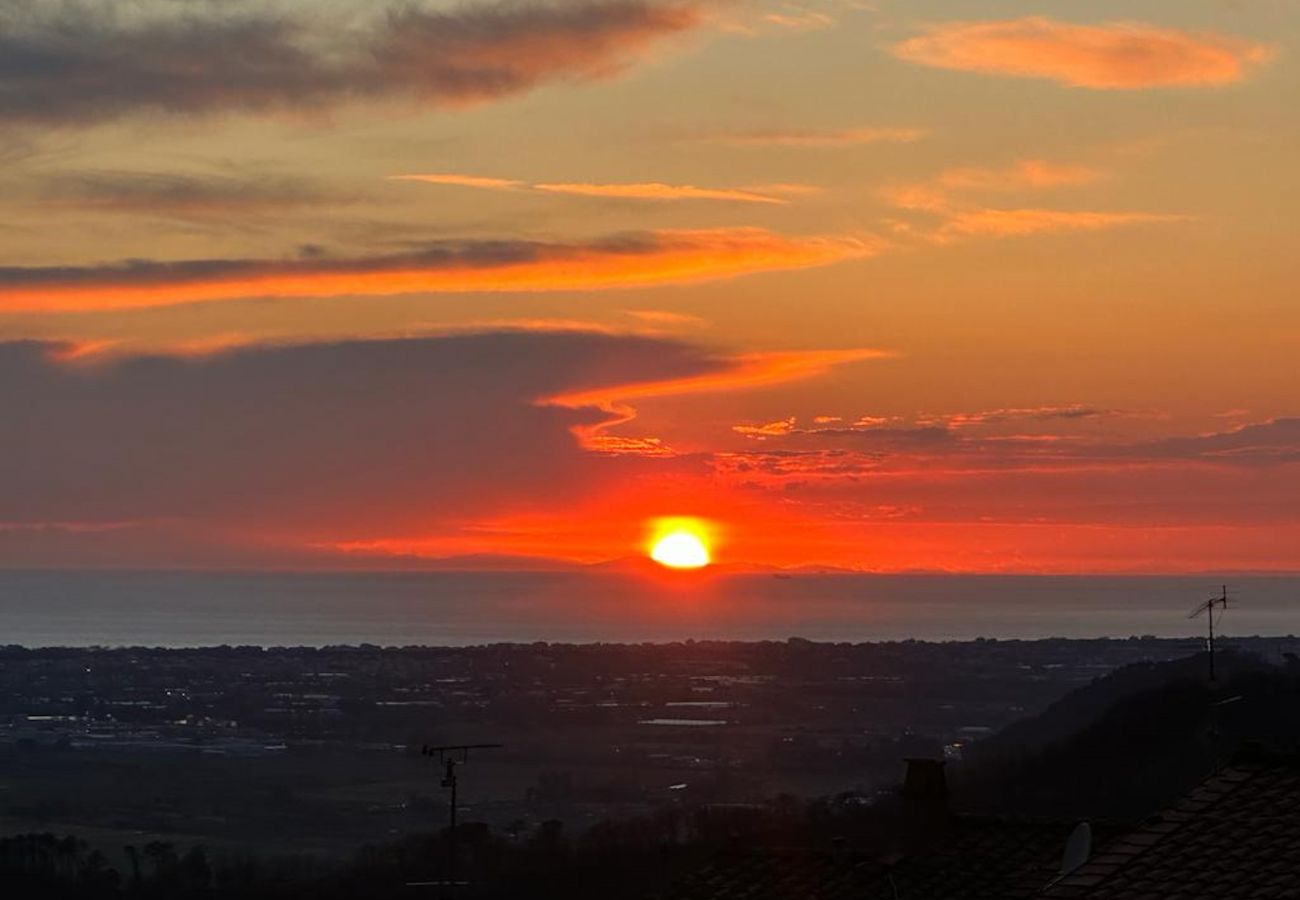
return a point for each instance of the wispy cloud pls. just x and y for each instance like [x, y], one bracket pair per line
[663, 317]
[1025, 173]
[756, 20]
[1069, 412]
[1022, 222]
[470, 181]
[219, 58]
[948, 196]
[1111, 56]
[798, 18]
[931, 429]
[645, 190]
[979, 440]
[181, 195]
[794, 137]
[627, 261]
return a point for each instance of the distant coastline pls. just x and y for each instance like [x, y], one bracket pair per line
[449, 608]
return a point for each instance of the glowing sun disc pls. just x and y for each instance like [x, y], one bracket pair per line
[680, 550]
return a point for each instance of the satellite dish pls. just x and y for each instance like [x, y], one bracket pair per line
[1077, 849]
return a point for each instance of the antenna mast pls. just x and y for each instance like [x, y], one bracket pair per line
[451, 756]
[1207, 608]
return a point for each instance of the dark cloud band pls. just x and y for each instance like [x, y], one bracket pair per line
[87, 64]
[330, 439]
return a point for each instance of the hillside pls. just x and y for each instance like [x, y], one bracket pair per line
[1133, 740]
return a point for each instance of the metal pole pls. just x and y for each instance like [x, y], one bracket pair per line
[1210, 619]
[451, 831]
[446, 755]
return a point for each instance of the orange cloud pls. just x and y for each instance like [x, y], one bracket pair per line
[811, 138]
[657, 191]
[637, 260]
[1112, 56]
[1020, 222]
[779, 428]
[72, 351]
[934, 195]
[663, 317]
[744, 372]
[785, 187]
[747, 371]
[472, 181]
[616, 445]
[1025, 173]
[647, 190]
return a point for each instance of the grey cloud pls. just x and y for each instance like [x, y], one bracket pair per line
[62, 64]
[442, 254]
[1273, 441]
[181, 195]
[921, 435]
[1025, 414]
[338, 440]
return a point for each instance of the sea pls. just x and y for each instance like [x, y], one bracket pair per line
[189, 609]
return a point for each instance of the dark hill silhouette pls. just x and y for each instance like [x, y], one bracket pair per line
[1082, 707]
[1134, 740]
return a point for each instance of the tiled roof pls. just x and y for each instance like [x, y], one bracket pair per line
[780, 875]
[975, 859]
[1235, 836]
[979, 858]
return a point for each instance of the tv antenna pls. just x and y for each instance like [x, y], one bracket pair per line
[1207, 608]
[1078, 850]
[450, 756]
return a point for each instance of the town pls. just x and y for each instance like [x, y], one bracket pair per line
[316, 750]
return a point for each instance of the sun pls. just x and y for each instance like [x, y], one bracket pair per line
[680, 550]
[680, 543]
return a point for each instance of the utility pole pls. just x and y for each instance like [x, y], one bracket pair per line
[450, 756]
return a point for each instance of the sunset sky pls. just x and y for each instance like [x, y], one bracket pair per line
[974, 285]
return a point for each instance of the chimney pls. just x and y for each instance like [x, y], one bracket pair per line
[925, 800]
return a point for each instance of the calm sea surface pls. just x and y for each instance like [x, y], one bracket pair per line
[174, 609]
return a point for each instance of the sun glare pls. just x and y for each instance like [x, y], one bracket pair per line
[680, 543]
